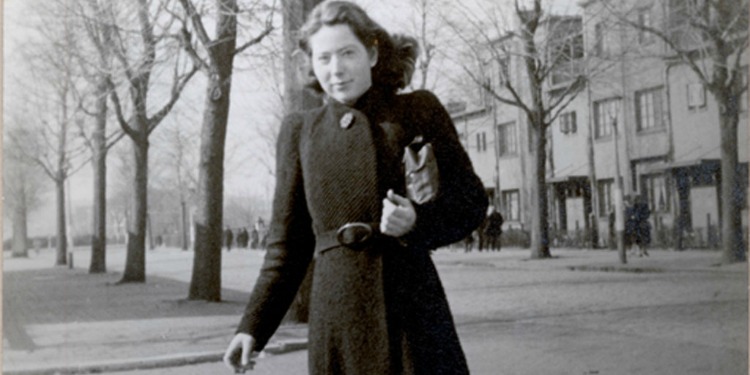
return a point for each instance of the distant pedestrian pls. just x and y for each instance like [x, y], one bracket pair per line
[260, 227]
[481, 238]
[637, 226]
[493, 229]
[469, 242]
[228, 238]
[242, 238]
[254, 238]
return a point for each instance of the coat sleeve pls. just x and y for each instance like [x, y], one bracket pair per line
[290, 242]
[461, 204]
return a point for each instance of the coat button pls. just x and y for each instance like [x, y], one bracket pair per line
[346, 120]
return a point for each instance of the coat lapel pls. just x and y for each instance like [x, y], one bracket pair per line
[339, 168]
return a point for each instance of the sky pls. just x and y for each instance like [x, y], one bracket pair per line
[252, 112]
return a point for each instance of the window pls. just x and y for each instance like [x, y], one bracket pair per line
[506, 134]
[503, 70]
[605, 116]
[568, 123]
[565, 53]
[605, 39]
[657, 193]
[512, 205]
[696, 95]
[481, 142]
[604, 188]
[648, 109]
[644, 21]
[599, 39]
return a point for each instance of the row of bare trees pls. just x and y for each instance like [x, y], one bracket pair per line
[103, 62]
[128, 63]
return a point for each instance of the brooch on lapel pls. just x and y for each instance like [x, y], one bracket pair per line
[346, 120]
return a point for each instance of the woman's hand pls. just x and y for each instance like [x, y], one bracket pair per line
[398, 216]
[238, 355]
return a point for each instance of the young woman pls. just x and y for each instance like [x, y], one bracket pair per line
[377, 305]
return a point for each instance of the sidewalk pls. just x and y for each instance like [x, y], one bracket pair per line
[67, 321]
[61, 320]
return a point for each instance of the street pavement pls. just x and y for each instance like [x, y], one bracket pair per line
[578, 313]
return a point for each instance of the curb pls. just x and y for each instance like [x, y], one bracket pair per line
[617, 269]
[174, 360]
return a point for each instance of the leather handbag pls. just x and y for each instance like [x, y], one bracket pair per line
[422, 176]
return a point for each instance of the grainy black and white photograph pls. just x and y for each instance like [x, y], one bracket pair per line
[357, 187]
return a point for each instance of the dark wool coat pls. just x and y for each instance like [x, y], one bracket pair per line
[380, 309]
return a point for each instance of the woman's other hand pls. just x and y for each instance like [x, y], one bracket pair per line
[238, 355]
[398, 216]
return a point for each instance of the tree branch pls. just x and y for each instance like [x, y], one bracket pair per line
[256, 40]
[118, 112]
[567, 97]
[177, 87]
[195, 19]
[113, 139]
[682, 54]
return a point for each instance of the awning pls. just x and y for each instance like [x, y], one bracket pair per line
[570, 178]
[693, 163]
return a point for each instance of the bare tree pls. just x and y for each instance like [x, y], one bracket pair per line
[136, 54]
[711, 38]
[51, 93]
[180, 167]
[96, 61]
[544, 45]
[22, 186]
[433, 38]
[217, 62]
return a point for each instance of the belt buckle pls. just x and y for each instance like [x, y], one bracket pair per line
[354, 234]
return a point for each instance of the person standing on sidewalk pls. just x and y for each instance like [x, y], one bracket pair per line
[377, 305]
[228, 238]
[494, 229]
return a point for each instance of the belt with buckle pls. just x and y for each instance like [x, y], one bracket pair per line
[354, 235]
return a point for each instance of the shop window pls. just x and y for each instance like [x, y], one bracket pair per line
[604, 189]
[512, 205]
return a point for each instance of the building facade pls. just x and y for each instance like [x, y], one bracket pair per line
[643, 121]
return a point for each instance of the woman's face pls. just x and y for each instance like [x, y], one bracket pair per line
[341, 63]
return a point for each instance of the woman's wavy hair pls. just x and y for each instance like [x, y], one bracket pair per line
[396, 54]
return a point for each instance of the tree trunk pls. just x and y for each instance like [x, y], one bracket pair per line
[297, 98]
[205, 283]
[62, 237]
[20, 233]
[135, 261]
[184, 225]
[731, 200]
[540, 214]
[99, 161]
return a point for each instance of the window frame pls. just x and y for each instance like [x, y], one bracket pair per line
[645, 14]
[599, 32]
[649, 184]
[568, 123]
[692, 91]
[605, 188]
[602, 121]
[655, 119]
[507, 140]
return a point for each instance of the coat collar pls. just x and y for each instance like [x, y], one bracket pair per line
[372, 103]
